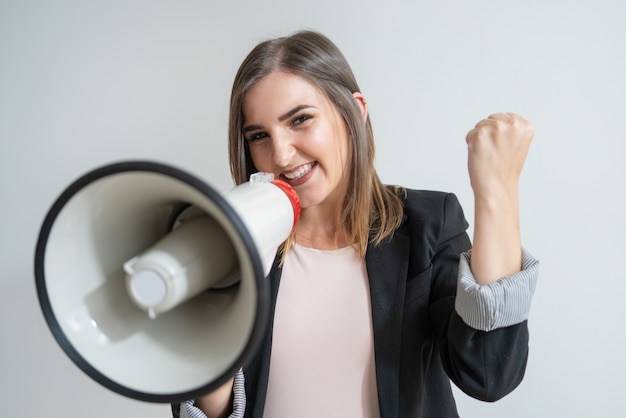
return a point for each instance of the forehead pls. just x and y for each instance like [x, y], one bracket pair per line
[279, 92]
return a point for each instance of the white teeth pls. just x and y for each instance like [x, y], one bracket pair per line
[296, 174]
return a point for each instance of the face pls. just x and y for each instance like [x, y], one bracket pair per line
[295, 132]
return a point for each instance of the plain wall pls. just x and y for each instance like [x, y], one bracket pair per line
[84, 84]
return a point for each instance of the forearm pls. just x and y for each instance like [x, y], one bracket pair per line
[497, 250]
[497, 149]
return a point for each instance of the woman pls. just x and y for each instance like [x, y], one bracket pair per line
[378, 301]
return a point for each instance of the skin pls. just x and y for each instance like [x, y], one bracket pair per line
[217, 404]
[295, 132]
[497, 149]
[292, 128]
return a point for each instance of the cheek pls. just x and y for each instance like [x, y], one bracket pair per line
[331, 141]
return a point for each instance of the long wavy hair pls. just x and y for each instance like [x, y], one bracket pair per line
[371, 211]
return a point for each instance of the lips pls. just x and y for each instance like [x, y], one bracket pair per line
[299, 175]
[299, 172]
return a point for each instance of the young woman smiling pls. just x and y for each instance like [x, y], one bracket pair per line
[379, 298]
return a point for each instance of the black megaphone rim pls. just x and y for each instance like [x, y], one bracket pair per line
[262, 286]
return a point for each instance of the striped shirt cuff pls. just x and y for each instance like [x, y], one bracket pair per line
[189, 410]
[502, 303]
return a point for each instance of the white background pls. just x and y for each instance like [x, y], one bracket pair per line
[88, 83]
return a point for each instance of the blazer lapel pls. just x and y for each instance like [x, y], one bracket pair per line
[387, 266]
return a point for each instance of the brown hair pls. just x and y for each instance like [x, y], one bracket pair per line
[371, 211]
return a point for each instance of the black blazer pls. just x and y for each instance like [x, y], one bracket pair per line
[420, 341]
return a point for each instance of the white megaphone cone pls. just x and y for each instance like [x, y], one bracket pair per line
[123, 263]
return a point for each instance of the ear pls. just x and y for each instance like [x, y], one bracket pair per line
[362, 103]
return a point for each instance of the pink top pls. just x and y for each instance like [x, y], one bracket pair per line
[322, 362]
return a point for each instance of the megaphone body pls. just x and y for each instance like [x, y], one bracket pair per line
[153, 283]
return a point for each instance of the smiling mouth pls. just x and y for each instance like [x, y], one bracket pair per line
[299, 172]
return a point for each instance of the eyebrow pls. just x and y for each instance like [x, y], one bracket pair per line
[281, 118]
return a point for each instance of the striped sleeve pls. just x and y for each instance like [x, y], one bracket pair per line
[502, 303]
[189, 410]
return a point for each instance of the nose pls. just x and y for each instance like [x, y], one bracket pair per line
[283, 150]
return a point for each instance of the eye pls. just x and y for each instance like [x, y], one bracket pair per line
[298, 120]
[256, 136]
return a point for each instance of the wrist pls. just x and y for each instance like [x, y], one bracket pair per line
[217, 403]
[496, 196]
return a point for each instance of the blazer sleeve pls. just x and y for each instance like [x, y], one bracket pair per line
[499, 304]
[488, 361]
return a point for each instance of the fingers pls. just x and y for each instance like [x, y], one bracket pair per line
[504, 116]
[497, 148]
[494, 118]
[501, 122]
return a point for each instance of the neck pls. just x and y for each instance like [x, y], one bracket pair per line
[320, 230]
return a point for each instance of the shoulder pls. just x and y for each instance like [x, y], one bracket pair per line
[416, 198]
[433, 211]
[429, 202]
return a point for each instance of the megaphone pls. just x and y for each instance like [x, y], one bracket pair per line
[153, 283]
